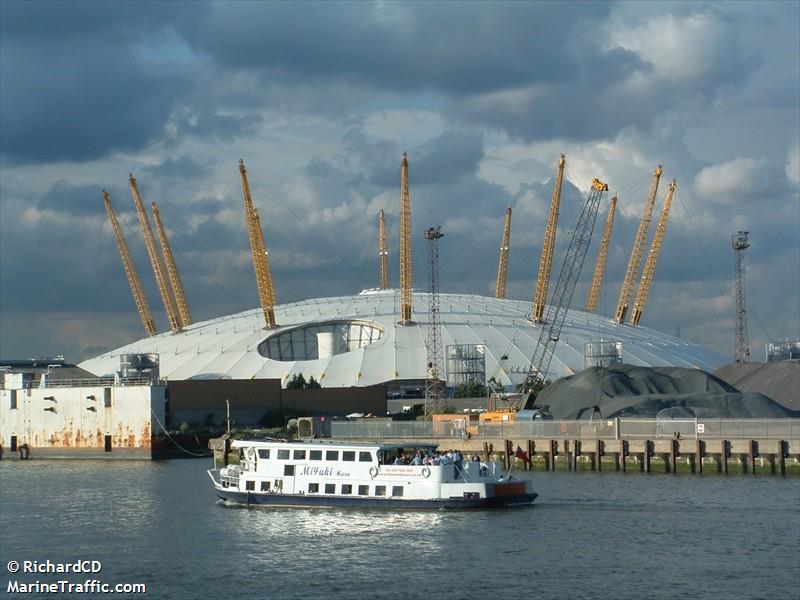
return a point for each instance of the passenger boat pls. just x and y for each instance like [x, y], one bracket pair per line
[322, 473]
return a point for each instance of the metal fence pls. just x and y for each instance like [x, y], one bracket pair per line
[606, 429]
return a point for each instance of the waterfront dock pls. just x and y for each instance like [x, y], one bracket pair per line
[725, 446]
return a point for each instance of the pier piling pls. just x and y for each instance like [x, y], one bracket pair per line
[531, 451]
[753, 452]
[723, 456]
[598, 455]
[783, 446]
[698, 457]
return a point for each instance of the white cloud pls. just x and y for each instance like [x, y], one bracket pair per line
[793, 164]
[679, 48]
[728, 181]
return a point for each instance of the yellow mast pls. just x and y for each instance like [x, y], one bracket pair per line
[405, 244]
[652, 258]
[262, 252]
[172, 269]
[163, 285]
[546, 261]
[602, 255]
[502, 267]
[637, 253]
[130, 271]
[258, 253]
[383, 252]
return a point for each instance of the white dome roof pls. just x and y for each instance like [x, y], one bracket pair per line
[362, 344]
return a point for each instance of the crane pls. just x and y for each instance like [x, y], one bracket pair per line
[163, 285]
[433, 383]
[258, 253]
[546, 261]
[602, 255]
[405, 244]
[383, 253]
[130, 271]
[740, 243]
[635, 260]
[172, 270]
[652, 258]
[550, 332]
[502, 267]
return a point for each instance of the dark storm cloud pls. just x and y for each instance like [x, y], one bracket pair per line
[464, 48]
[448, 158]
[84, 200]
[75, 83]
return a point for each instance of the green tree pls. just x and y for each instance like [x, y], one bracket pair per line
[471, 389]
[312, 383]
[297, 382]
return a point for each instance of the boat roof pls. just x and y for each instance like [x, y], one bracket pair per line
[328, 443]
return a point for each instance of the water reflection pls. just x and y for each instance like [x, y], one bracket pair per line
[160, 522]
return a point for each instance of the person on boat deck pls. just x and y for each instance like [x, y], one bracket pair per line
[458, 461]
[417, 459]
[476, 458]
[398, 460]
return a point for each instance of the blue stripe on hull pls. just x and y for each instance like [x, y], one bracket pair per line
[250, 498]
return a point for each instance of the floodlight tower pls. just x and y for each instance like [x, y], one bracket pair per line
[433, 387]
[740, 244]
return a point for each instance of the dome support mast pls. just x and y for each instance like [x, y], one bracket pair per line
[258, 253]
[652, 259]
[546, 261]
[172, 269]
[383, 253]
[130, 271]
[602, 256]
[155, 260]
[502, 267]
[637, 253]
[405, 244]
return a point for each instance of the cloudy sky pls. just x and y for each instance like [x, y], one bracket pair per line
[321, 99]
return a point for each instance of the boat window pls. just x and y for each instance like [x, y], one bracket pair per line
[313, 488]
[283, 455]
[332, 455]
[380, 490]
[365, 456]
[315, 455]
[250, 485]
[363, 490]
[299, 454]
[263, 453]
[265, 486]
[347, 488]
[288, 470]
[330, 488]
[349, 455]
[397, 490]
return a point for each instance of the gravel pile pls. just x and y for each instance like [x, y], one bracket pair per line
[627, 390]
[777, 380]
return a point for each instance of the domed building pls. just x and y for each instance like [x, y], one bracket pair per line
[357, 341]
[378, 337]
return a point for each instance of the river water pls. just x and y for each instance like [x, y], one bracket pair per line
[590, 535]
